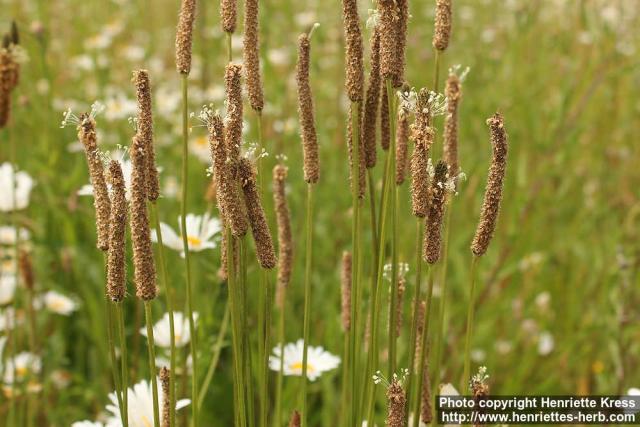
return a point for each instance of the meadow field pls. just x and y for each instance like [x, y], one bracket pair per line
[181, 170]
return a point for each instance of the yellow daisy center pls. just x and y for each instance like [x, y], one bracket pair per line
[194, 241]
[201, 141]
[21, 371]
[298, 365]
[56, 305]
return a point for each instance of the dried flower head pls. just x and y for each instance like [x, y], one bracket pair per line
[285, 241]
[305, 112]
[87, 135]
[165, 382]
[372, 100]
[26, 270]
[345, 281]
[145, 130]
[295, 419]
[184, 36]
[144, 267]
[385, 128]
[493, 192]
[353, 51]
[9, 77]
[233, 119]
[442, 28]
[396, 401]
[251, 54]
[433, 225]
[453, 92]
[426, 413]
[362, 177]
[225, 175]
[402, 137]
[228, 12]
[261, 235]
[116, 273]
[392, 19]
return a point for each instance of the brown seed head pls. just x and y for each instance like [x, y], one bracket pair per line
[26, 270]
[402, 137]
[143, 265]
[145, 131]
[453, 93]
[396, 401]
[362, 182]
[433, 225]
[295, 419]
[233, 119]
[225, 177]
[345, 281]
[251, 54]
[184, 36]
[285, 241]
[403, 21]
[353, 51]
[9, 77]
[426, 414]
[372, 100]
[493, 193]
[393, 16]
[228, 12]
[422, 308]
[87, 135]
[442, 30]
[257, 218]
[165, 382]
[116, 273]
[385, 128]
[422, 134]
[305, 112]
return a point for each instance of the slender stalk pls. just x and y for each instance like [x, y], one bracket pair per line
[417, 295]
[185, 245]
[307, 299]
[345, 378]
[246, 352]
[470, 314]
[238, 382]
[123, 360]
[217, 348]
[229, 52]
[374, 226]
[393, 300]
[372, 361]
[152, 362]
[281, 337]
[436, 72]
[439, 344]
[112, 355]
[170, 307]
[423, 348]
[355, 280]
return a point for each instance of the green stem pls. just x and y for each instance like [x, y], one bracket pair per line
[246, 352]
[467, 340]
[152, 362]
[439, 344]
[281, 337]
[216, 355]
[229, 52]
[436, 73]
[236, 327]
[123, 361]
[355, 279]
[307, 299]
[417, 295]
[170, 306]
[423, 348]
[112, 355]
[374, 226]
[393, 300]
[185, 245]
[372, 362]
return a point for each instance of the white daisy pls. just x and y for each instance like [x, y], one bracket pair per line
[546, 343]
[58, 303]
[24, 365]
[200, 232]
[87, 424]
[7, 288]
[23, 185]
[318, 360]
[140, 405]
[162, 331]
[8, 235]
[9, 319]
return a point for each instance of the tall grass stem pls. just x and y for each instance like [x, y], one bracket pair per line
[307, 299]
[152, 362]
[470, 315]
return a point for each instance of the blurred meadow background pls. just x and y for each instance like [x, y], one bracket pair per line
[557, 291]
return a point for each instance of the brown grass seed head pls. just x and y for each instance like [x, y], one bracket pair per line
[251, 54]
[145, 130]
[184, 36]
[353, 51]
[116, 261]
[442, 25]
[372, 101]
[285, 240]
[228, 13]
[311, 165]
[433, 226]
